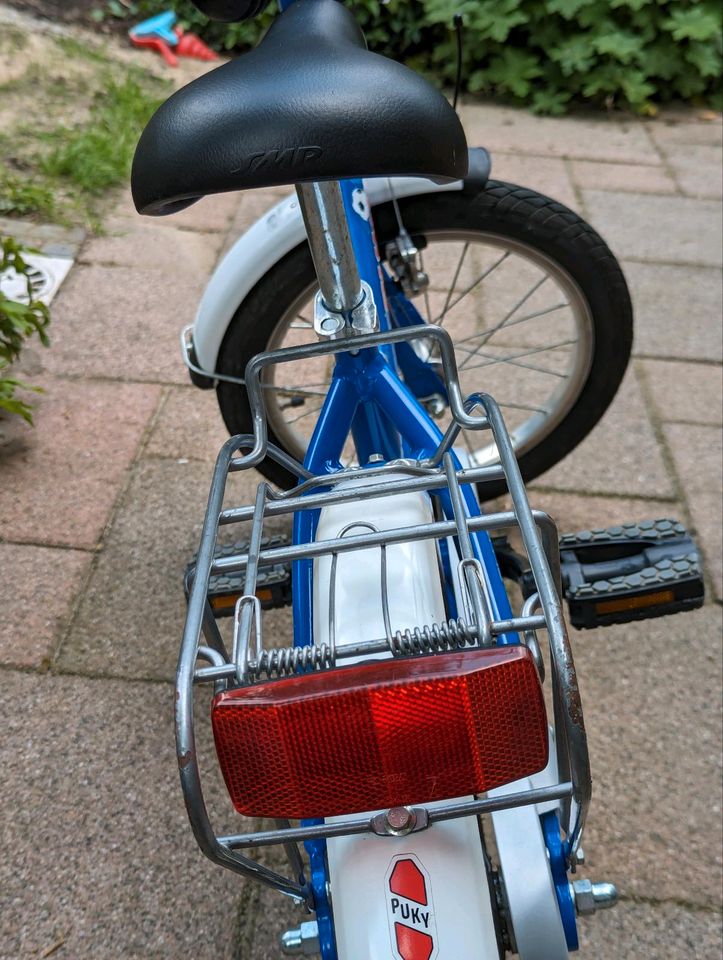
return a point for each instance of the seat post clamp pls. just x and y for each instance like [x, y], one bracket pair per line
[333, 324]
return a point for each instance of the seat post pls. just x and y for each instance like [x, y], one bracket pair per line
[322, 208]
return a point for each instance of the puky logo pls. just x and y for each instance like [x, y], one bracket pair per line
[280, 158]
[410, 910]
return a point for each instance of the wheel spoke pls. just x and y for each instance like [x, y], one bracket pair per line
[528, 316]
[470, 288]
[465, 248]
[523, 406]
[306, 413]
[508, 315]
[514, 359]
[297, 391]
[537, 391]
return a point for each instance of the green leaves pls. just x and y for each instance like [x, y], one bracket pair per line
[625, 47]
[568, 8]
[554, 102]
[698, 22]
[574, 54]
[545, 53]
[8, 400]
[705, 58]
[18, 322]
[513, 70]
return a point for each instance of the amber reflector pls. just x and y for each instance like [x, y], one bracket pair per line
[382, 734]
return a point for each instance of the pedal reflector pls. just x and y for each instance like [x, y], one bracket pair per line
[382, 734]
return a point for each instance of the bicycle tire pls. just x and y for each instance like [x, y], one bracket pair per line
[504, 210]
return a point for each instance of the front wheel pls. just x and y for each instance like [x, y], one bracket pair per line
[533, 298]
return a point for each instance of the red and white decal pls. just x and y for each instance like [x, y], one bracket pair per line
[410, 909]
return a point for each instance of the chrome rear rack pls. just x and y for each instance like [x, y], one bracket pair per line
[205, 659]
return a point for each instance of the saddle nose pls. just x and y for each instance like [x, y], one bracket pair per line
[309, 103]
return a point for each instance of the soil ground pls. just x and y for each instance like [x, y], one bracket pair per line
[68, 11]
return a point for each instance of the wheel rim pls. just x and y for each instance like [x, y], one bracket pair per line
[522, 329]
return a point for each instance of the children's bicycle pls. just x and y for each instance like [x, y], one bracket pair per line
[417, 749]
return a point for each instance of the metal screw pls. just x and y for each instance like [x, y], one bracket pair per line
[579, 856]
[400, 820]
[331, 325]
[376, 458]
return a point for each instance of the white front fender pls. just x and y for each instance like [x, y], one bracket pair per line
[274, 235]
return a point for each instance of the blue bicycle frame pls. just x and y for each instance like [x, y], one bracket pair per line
[369, 400]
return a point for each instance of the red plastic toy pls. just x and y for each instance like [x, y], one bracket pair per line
[155, 43]
[161, 34]
[189, 45]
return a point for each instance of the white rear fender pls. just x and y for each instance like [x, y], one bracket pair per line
[274, 235]
[426, 894]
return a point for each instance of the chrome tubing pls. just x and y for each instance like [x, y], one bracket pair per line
[327, 231]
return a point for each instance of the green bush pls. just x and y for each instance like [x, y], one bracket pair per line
[549, 54]
[18, 322]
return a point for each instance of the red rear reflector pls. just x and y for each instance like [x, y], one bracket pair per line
[382, 734]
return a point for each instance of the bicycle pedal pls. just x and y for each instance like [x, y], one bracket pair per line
[635, 571]
[273, 583]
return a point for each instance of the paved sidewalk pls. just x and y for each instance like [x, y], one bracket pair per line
[101, 506]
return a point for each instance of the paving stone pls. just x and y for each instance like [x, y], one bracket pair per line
[123, 322]
[624, 177]
[97, 850]
[38, 586]
[61, 478]
[674, 229]
[130, 620]
[688, 392]
[661, 931]
[705, 511]
[189, 425]
[260, 941]
[590, 137]
[696, 451]
[697, 455]
[253, 205]
[652, 699]
[210, 214]
[700, 171]
[545, 174]
[130, 241]
[677, 311]
[691, 132]
[620, 456]
[49, 238]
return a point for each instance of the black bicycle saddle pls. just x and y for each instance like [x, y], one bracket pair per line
[309, 103]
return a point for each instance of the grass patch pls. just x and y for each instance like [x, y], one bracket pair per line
[97, 155]
[21, 197]
[80, 51]
[78, 116]
[12, 39]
